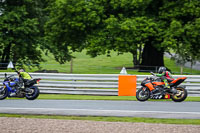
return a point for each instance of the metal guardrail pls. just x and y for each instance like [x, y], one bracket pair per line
[94, 84]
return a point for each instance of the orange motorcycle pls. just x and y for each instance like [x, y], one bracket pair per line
[153, 88]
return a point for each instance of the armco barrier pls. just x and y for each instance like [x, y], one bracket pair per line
[94, 84]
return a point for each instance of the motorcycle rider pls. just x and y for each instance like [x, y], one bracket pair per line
[165, 76]
[23, 78]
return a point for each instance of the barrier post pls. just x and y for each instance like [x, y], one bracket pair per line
[127, 85]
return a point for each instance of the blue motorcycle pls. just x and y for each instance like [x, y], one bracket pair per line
[14, 87]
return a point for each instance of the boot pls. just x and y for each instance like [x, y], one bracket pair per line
[167, 87]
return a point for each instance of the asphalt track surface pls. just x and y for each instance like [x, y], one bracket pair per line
[157, 109]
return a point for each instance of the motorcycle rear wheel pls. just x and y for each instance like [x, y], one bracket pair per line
[33, 93]
[181, 94]
[143, 94]
[3, 93]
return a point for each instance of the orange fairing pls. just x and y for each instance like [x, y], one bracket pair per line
[174, 81]
[150, 86]
[158, 83]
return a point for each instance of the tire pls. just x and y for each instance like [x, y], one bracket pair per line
[33, 94]
[143, 94]
[181, 95]
[4, 93]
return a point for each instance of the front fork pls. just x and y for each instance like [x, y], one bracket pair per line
[145, 90]
[2, 89]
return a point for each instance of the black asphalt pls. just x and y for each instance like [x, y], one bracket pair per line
[157, 109]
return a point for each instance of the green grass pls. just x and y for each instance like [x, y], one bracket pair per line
[84, 64]
[84, 97]
[89, 97]
[109, 119]
[92, 97]
[104, 65]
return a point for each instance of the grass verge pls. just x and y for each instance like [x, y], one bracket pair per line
[92, 97]
[109, 119]
[89, 97]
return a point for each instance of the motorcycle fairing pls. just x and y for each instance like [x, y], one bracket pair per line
[177, 81]
[150, 86]
[7, 85]
[158, 83]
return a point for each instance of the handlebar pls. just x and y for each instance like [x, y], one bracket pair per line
[10, 77]
[152, 73]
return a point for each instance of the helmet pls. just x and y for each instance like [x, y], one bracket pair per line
[21, 70]
[161, 69]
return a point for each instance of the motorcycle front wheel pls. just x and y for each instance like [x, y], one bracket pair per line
[3, 93]
[32, 93]
[143, 94]
[181, 94]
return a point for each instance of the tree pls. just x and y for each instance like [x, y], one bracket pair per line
[126, 35]
[121, 25]
[132, 26]
[99, 26]
[19, 32]
[69, 23]
[183, 29]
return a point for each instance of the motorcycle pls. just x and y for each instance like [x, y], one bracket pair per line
[153, 88]
[9, 89]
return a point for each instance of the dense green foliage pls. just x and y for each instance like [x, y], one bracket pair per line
[148, 26]
[182, 35]
[20, 31]
[144, 28]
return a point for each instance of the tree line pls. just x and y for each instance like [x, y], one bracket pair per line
[145, 28]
